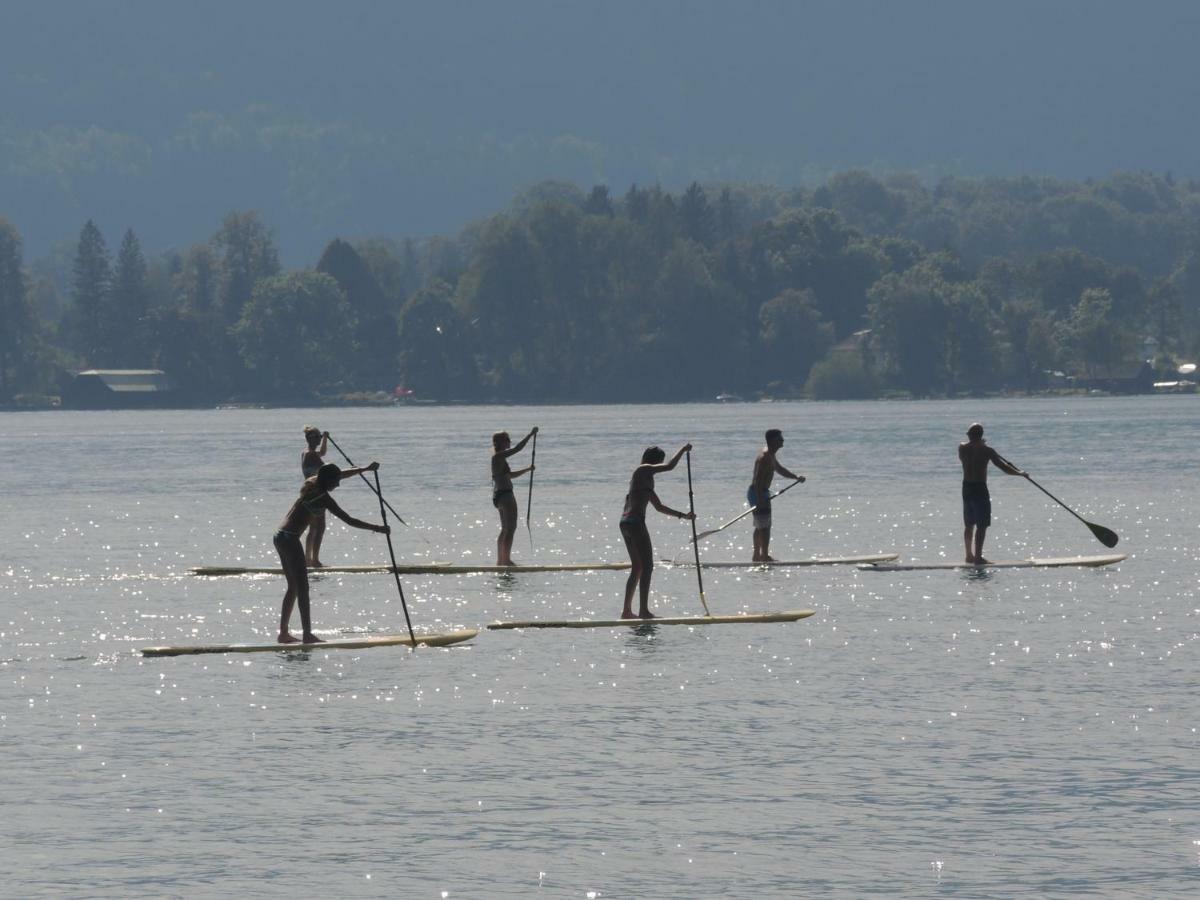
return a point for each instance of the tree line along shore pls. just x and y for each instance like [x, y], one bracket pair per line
[865, 286]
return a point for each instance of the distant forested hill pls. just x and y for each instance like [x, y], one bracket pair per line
[383, 118]
[859, 287]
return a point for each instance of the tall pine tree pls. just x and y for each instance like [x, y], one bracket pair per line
[375, 332]
[17, 326]
[90, 283]
[126, 319]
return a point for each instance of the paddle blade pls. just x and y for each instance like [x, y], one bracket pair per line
[1104, 535]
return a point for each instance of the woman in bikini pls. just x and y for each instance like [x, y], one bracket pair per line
[314, 499]
[633, 525]
[313, 457]
[502, 491]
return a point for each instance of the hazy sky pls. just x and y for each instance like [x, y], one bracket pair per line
[409, 118]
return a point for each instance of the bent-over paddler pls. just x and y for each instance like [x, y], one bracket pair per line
[314, 499]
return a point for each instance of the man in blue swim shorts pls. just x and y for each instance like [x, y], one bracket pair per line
[759, 493]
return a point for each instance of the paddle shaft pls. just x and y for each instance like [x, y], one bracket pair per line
[529, 499]
[695, 540]
[350, 463]
[392, 554]
[743, 515]
[1106, 536]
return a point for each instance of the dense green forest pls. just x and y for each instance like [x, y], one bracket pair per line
[864, 286]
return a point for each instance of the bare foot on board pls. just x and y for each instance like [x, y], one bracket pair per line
[312, 639]
[288, 638]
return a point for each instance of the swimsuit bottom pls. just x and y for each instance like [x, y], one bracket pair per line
[977, 503]
[287, 542]
[763, 503]
[497, 496]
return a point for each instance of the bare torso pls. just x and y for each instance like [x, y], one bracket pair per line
[311, 500]
[641, 488]
[975, 456]
[764, 469]
[501, 473]
[310, 462]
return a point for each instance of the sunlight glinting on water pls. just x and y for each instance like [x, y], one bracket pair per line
[985, 733]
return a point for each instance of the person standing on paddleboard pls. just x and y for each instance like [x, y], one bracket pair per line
[759, 493]
[502, 491]
[633, 525]
[316, 443]
[314, 499]
[975, 454]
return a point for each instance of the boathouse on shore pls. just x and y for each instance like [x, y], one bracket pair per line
[118, 389]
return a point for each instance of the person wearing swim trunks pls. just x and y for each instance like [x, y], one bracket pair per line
[314, 498]
[316, 443]
[502, 491]
[633, 525]
[975, 454]
[758, 494]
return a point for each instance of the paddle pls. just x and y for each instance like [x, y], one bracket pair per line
[350, 463]
[695, 540]
[1106, 536]
[392, 554]
[702, 535]
[529, 499]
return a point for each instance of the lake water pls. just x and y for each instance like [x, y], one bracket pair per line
[1016, 733]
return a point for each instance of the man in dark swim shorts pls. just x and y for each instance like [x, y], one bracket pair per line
[975, 454]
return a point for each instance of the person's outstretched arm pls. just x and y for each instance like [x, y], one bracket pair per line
[358, 470]
[331, 505]
[1004, 465]
[673, 461]
[519, 445]
[666, 510]
[779, 467]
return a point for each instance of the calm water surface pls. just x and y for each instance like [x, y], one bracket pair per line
[1017, 733]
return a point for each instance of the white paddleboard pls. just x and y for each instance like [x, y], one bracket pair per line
[415, 569]
[742, 619]
[786, 563]
[359, 643]
[1051, 563]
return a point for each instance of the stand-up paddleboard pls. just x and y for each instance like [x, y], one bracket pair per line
[786, 563]
[416, 569]
[359, 643]
[1052, 563]
[742, 619]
